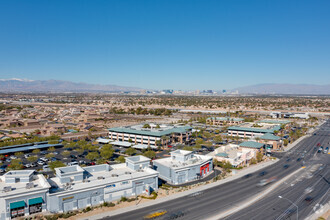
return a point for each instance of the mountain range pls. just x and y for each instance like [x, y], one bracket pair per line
[25, 85]
[289, 89]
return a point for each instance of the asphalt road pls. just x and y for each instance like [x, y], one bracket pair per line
[312, 182]
[226, 196]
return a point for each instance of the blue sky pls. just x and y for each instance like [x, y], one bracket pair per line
[179, 44]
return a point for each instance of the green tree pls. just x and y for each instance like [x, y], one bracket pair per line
[51, 149]
[19, 154]
[56, 164]
[121, 159]
[16, 164]
[36, 151]
[93, 156]
[151, 154]
[32, 159]
[217, 138]
[146, 126]
[130, 151]
[65, 153]
[106, 153]
[53, 142]
[285, 142]
[50, 155]
[259, 156]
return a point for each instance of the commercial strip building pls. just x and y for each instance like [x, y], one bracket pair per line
[22, 193]
[223, 121]
[74, 187]
[152, 134]
[251, 130]
[183, 166]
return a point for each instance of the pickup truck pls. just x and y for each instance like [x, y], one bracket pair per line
[265, 182]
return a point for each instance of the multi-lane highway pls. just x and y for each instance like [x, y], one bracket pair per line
[232, 194]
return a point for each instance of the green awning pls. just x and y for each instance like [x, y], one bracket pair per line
[18, 204]
[35, 201]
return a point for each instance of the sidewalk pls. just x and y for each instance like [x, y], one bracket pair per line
[239, 174]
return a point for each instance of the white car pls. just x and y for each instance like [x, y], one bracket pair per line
[27, 156]
[13, 157]
[44, 159]
[41, 163]
[73, 163]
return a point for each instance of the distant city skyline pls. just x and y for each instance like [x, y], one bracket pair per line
[180, 45]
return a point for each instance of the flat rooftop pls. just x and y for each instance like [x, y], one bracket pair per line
[256, 127]
[102, 177]
[225, 119]
[153, 131]
[39, 182]
[197, 159]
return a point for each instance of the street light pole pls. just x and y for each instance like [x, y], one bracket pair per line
[281, 197]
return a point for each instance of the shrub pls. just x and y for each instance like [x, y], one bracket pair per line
[123, 199]
[108, 204]
[153, 196]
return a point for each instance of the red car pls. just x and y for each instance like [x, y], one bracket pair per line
[169, 146]
[318, 144]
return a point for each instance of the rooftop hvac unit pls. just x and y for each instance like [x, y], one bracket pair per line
[29, 185]
[140, 170]
[85, 180]
[7, 188]
[128, 172]
[100, 177]
[114, 175]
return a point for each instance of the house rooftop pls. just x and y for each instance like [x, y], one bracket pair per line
[251, 144]
[269, 136]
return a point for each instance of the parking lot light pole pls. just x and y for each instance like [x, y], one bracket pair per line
[281, 197]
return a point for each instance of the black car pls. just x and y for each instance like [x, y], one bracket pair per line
[299, 159]
[247, 175]
[286, 166]
[175, 215]
[262, 173]
[309, 199]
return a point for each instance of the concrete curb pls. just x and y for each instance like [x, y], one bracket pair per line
[255, 199]
[185, 193]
